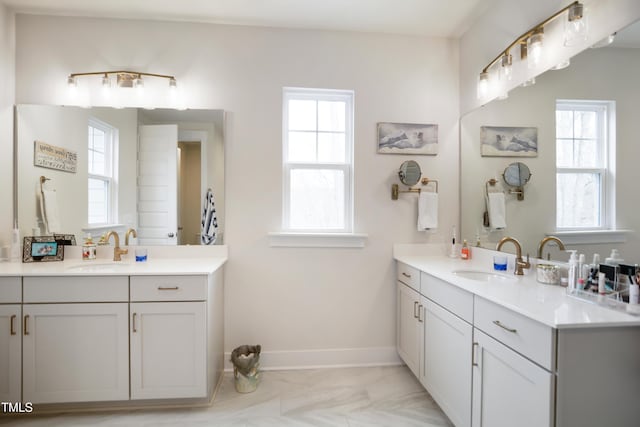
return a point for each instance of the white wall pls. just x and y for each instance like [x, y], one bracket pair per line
[67, 128]
[7, 92]
[286, 299]
[508, 19]
[597, 74]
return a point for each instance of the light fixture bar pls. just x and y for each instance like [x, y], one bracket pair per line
[522, 39]
[123, 78]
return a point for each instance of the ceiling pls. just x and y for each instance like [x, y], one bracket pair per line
[433, 18]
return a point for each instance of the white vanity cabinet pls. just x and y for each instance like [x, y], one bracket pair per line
[508, 389]
[10, 338]
[409, 334]
[74, 342]
[168, 337]
[446, 365]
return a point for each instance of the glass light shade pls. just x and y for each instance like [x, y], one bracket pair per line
[138, 83]
[576, 26]
[72, 82]
[173, 84]
[605, 41]
[483, 85]
[534, 48]
[529, 82]
[562, 65]
[506, 69]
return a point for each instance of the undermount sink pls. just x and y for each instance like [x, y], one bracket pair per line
[483, 276]
[91, 267]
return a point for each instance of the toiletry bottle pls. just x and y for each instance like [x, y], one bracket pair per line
[573, 270]
[634, 294]
[602, 289]
[614, 258]
[465, 252]
[89, 248]
[581, 263]
[15, 244]
[452, 252]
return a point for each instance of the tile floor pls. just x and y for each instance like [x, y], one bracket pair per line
[349, 397]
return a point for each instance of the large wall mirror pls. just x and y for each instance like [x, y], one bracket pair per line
[147, 169]
[607, 74]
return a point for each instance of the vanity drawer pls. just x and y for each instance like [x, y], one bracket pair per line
[10, 290]
[532, 339]
[408, 275]
[451, 297]
[76, 289]
[169, 288]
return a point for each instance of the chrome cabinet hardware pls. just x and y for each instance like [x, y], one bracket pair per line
[473, 354]
[506, 328]
[12, 327]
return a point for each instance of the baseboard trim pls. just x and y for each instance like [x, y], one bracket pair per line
[327, 358]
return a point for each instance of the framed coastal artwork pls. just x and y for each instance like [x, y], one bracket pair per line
[407, 138]
[504, 141]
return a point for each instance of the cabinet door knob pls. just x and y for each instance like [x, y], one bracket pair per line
[12, 323]
[26, 324]
[133, 322]
[506, 328]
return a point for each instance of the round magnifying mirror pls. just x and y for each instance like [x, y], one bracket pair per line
[516, 174]
[410, 173]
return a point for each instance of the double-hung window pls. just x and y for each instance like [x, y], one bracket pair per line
[318, 160]
[102, 167]
[584, 165]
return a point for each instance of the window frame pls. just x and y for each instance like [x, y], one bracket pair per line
[111, 165]
[605, 111]
[346, 167]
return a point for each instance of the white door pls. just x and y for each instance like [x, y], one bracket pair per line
[75, 352]
[10, 352]
[409, 327]
[157, 185]
[508, 390]
[168, 350]
[447, 362]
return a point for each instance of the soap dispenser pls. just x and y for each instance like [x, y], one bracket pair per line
[573, 270]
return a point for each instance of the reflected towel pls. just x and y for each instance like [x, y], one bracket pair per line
[51, 216]
[497, 211]
[427, 211]
[209, 230]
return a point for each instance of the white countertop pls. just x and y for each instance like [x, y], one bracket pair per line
[548, 304]
[181, 260]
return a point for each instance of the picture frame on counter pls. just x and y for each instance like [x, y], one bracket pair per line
[42, 249]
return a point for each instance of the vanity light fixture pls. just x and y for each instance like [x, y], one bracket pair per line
[531, 44]
[605, 41]
[123, 78]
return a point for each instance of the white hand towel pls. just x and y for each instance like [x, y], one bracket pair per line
[51, 211]
[427, 211]
[497, 211]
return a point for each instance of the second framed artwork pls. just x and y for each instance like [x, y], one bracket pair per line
[505, 141]
[407, 138]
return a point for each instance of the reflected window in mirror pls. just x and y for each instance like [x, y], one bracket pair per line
[318, 160]
[584, 190]
[102, 167]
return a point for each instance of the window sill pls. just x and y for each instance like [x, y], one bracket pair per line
[316, 240]
[575, 237]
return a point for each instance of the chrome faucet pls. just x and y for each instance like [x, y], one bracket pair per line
[520, 263]
[116, 250]
[126, 236]
[547, 240]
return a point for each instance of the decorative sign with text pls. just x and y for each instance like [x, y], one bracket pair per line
[52, 157]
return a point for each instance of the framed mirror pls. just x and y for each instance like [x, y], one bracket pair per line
[145, 169]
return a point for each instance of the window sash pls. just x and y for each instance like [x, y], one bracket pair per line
[346, 167]
[110, 135]
[602, 198]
